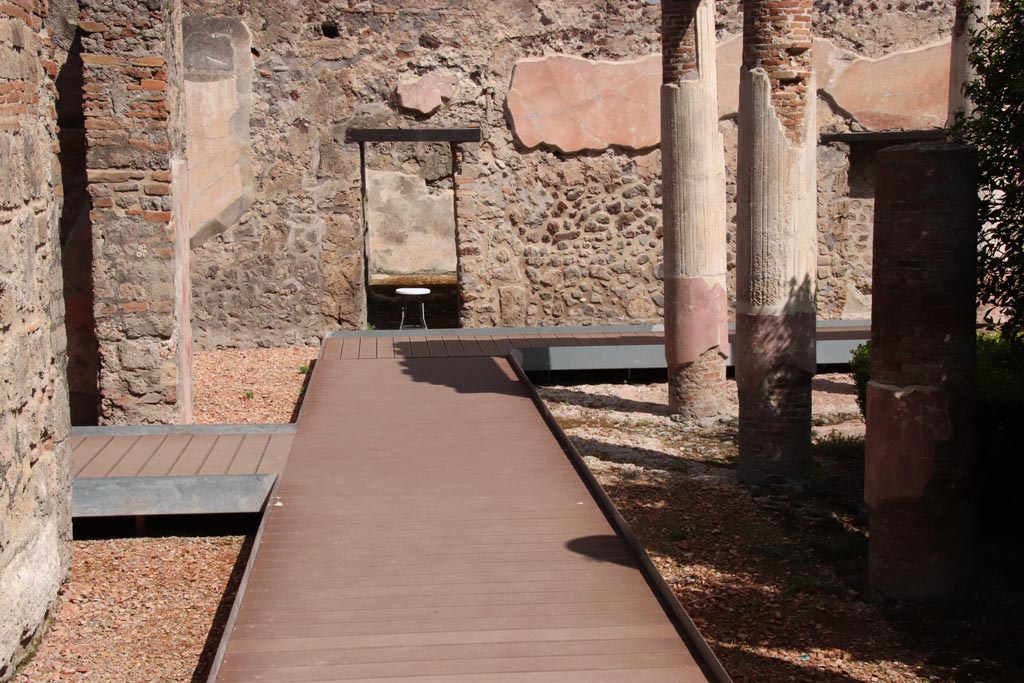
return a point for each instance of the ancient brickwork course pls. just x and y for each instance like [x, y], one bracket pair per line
[135, 249]
[35, 455]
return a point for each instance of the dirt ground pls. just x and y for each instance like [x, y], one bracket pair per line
[776, 580]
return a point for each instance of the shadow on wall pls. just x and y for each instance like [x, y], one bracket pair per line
[76, 242]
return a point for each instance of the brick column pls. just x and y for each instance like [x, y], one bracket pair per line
[920, 399]
[135, 236]
[693, 181]
[776, 241]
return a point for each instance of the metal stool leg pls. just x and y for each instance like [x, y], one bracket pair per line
[423, 315]
[401, 324]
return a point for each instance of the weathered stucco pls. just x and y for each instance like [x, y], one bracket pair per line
[35, 454]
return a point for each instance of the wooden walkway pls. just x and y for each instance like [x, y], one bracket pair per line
[178, 454]
[428, 526]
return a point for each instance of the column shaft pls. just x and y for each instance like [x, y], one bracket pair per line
[693, 182]
[776, 241]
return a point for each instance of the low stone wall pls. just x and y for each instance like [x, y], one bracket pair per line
[35, 455]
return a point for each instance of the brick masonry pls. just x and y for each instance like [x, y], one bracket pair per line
[679, 40]
[137, 297]
[777, 38]
[35, 454]
[920, 422]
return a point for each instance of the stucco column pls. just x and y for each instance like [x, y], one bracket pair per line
[693, 182]
[776, 241]
[920, 433]
[970, 15]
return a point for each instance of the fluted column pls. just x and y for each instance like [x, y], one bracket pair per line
[970, 15]
[693, 188]
[776, 241]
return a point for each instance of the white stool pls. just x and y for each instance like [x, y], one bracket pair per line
[413, 294]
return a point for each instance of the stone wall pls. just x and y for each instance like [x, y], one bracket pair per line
[35, 454]
[558, 224]
[138, 263]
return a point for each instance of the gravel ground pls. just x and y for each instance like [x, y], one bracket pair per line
[249, 386]
[774, 581]
[138, 610]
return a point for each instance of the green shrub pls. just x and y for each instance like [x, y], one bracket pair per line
[1000, 430]
[860, 370]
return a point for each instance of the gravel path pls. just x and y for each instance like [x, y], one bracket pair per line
[140, 610]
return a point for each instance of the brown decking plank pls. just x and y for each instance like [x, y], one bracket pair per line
[487, 346]
[452, 651]
[466, 667]
[502, 344]
[166, 455]
[367, 347]
[137, 456]
[192, 458]
[350, 350]
[436, 347]
[650, 675]
[332, 348]
[418, 348]
[453, 346]
[267, 601]
[276, 454]
[263, 629]
[286, 615]
[77, 441]
[108, 458]
[220, 456]
[385, 347]
[471, 346]
[90, 447]
[284, 643]
[403, 347]
[247, 458]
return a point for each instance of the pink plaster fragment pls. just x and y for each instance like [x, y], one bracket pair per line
[575, 104]
[426, 94]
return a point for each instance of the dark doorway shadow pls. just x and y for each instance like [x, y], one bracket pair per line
[76, 241]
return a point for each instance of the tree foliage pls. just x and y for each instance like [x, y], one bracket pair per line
[996, 128]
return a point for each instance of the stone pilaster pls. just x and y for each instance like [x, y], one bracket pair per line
[921, 395]
[693, 182]
[776, 241]
[138, 296]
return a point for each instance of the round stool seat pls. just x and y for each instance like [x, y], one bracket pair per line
[412, 291]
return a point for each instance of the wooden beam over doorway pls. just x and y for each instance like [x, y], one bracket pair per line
[413, 135]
